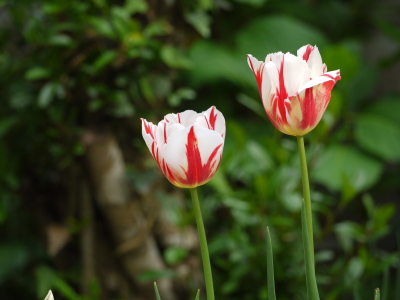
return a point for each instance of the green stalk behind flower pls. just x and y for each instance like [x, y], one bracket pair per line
[203, 245]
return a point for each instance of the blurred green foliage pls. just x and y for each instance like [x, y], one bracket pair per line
[69, 65]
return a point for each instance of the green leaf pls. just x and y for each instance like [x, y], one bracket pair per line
[379, 135]
[354, 270]
[181, 94]
[174, 255]
[104, 59]
[174, 57]
[201, 21]
[255, 3]
[276, 33]
[212, 62]
[6, 124]
[152, 275]
[13, 257]
[341, 57]
[339, 161]
[37, 73]
[47, 93]
[388, 108]
[347, 232]
[136, 6]
[60, 40]
[122, 106]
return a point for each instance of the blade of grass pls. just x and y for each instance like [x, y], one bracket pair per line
[270, 268]
[156, 290]
[197, 295]
[385, 283]
[377, 294]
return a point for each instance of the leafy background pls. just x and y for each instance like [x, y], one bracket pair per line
[71, 65]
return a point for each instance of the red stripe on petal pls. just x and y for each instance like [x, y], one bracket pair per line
[309, 109]
[281, 95]
[208, 124]
[307, 53]
[213, 118]
[165, 133]
[193, 158]
[258, 74]
[147, 128]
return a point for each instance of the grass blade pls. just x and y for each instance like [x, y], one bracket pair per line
[156, 290]
[377, 294]
[197, 295]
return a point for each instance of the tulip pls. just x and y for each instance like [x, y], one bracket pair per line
[295, 90]
[49, 296]
[188, 149]
[187, 146]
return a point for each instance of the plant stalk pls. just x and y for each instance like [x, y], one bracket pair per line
[306, 192]
[312, 288]
[203, 245]
[270, 269]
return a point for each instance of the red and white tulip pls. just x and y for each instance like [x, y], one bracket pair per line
[187, 146]
[295, 90]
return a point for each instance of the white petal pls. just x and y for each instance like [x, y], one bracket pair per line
[254, 63]
[175, 150]
[321, 79]
[276, 58]
[302, 51]
[49, 296]
[219, 123]
[148, 138]
[187, 118]
[296, 73]
[161, 133]
[271, 79]
[171, 118]
[172, 127]
[315, 63]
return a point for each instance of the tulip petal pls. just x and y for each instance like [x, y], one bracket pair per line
[213, 119]
[329, 76]
[315, 63]
[295, 72]
[258, 69]
[148, 132]
[192, 155]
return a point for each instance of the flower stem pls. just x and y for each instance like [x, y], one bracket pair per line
[203, 245]
[312, 288]
[270, 269]
[306, 193]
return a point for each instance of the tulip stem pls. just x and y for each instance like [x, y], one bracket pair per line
[203, 245]
[306, 192]
[312, 288]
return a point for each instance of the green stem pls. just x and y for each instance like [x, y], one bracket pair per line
[312, 288]
[306, 192]
[203, 245]
[270, 269]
